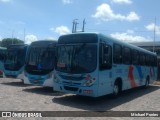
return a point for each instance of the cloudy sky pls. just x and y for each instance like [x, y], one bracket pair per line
[127, 20]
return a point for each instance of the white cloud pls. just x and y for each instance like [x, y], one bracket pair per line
[67, 1]
[105, 13]
[129, 37]
[132, 16]
[30, 38]
[152, 27]
[61, 30]
[122, 1]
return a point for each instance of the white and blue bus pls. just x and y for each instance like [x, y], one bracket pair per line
[40, 63]
[15, 60]
[3, 51]
[92, 64]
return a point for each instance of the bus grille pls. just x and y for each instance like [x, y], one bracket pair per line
[72, 83]
[72, 77]
[70, 88]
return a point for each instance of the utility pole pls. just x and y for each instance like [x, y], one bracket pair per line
[74, 27]
[75, 23]
[154, 35]
[84, 22]
[24, 35]
[12, 35]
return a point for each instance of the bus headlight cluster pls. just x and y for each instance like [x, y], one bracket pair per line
[89, 80]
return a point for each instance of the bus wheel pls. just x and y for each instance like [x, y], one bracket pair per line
[116, 89]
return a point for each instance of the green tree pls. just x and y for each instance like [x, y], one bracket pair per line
[8, 41]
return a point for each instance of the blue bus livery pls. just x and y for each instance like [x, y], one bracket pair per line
[40, 63]
[15, 60]
[3, 52]
[92, 64]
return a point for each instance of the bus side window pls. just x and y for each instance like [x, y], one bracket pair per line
[155, 61]
[148, 60]
[135, 57]
[105, 59]
[126, 56]
[117, 53]
[142, 59]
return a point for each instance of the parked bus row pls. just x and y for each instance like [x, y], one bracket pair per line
[3, 51]
[88, 64]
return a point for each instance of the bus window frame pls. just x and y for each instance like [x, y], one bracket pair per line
[117, 54]
[126, 54]
[135, 57]
[105, 62]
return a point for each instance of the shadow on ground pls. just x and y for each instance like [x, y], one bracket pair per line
[43, 91]
[102, 103]
[16, 84]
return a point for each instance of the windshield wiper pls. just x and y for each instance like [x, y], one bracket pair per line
[74, 61]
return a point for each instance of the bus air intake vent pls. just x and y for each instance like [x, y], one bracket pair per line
[70, 88]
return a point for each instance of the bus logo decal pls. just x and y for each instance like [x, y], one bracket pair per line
[152, 72]
[131, 77]
[140, 73]
[39, 66]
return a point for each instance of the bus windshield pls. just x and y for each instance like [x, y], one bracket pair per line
[40, 60]
[76, 59]
[3, 55]
[15, 59]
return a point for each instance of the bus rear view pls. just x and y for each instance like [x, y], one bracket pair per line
[40, 63]
[15, 60]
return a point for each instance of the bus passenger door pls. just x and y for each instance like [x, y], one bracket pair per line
[105, 69]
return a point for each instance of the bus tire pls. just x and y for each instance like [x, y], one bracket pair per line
[116, 89]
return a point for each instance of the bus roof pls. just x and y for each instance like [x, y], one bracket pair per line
[126, 44]
[42, 43]
[89, 39]
[17, 46]
[77, 38]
